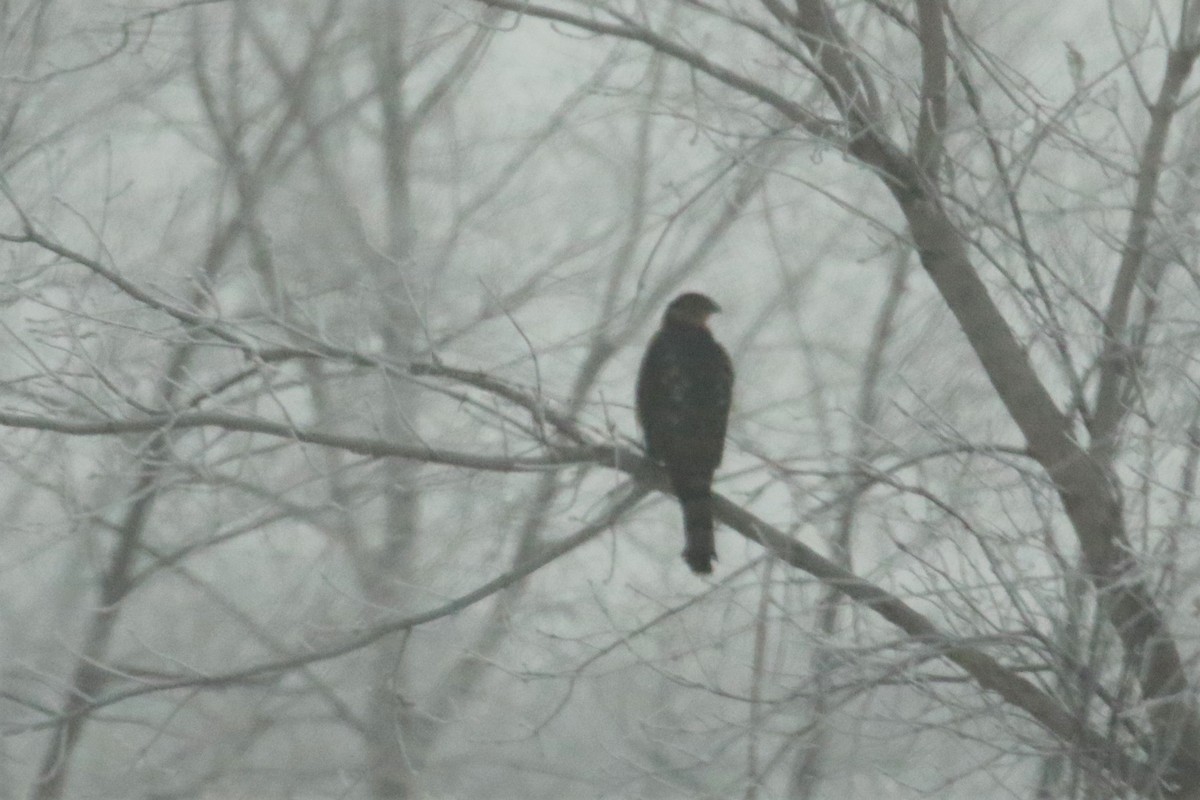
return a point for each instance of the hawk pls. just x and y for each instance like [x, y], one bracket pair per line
[684, 390]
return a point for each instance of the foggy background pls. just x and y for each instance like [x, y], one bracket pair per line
[319, 323]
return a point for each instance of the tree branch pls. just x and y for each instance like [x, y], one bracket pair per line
[1115, 362]
[932, 125]
[792, 110]
[627, 499]
[353, 444]
[986, 671]
[1084, 484]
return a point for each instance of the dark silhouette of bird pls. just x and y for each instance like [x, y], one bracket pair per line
[684, 390]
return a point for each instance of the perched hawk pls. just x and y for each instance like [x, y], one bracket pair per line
[684, 389]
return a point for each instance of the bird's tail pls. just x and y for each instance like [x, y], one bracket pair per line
[695, 496]
[701, 548]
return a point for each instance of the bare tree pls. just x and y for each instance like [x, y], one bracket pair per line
[316, 399]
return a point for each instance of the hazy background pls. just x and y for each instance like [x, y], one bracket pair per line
[232, 228]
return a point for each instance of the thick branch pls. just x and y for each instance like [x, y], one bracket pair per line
[932, 125]
[1088, 496]
[1114, 363]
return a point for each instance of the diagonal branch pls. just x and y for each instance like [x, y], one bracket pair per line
[986, 671]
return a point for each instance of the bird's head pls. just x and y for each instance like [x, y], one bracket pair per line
[691, 308]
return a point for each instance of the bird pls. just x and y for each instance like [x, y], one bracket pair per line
[684, 393]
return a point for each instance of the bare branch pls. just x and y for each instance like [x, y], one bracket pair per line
[626, 499]
[1114, 363]
[932, 126]
[353, 444]
[793, 111]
